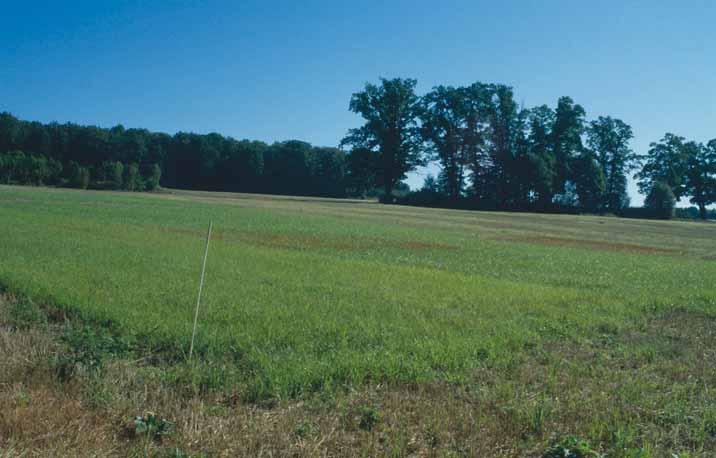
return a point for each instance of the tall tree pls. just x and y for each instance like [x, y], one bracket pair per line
[666, 163]
[700, 174]
[445, 132]
[541, 154]
[609, 139]
[477, 100]
[153, 180]
[10, 135]
[361, 172]
[243, 165]
[114, 173]
[506, 129]
[661, 199]
[589, 181]
[390, 112]
[521, 173]
[286, 167]
[327, 170]
[79, 177]
[36, 138]
[566, 139]
[132, 179]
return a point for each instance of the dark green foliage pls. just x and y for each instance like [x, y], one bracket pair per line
[369, 418]
[445, 114]
[137, 159]
[297, 168]
[115, 174]
[430, 195]
[79, 176]
[10, 138]
[589, 182]
[23, 314]
[661, 199]
[507, 154]
[244, 165]
[570, 447]
[152, 182]
[521, 159]
[664, 163]
[566, 139]
[693, 213]
[684, 168]
[700, 174]
[493, 155]
[390, 111]
[326, 168]
[362, 166]
[132, 180]
[33, 169]
[286, 166]
[609, 140]
[541, 155]
[89, 347]
[152, 426]
[506, 149]
[304, 430]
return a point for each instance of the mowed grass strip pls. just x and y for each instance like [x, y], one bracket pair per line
[305, 296]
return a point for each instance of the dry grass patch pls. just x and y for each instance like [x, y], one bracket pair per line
[306, 241]
[642, 393]
[589, 244]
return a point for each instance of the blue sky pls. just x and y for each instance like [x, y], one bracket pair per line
[281, 70]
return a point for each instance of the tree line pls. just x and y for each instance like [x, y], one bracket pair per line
[496, 154]
[138, 159]
[493, 154]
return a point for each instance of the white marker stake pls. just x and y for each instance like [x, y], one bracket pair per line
[201, 285]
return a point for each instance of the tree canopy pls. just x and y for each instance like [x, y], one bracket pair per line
[137, 160]
[493, 153]
[390, 130]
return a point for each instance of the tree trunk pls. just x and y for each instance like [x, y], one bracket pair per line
[702, 210]
[388, 196]
[544, 201]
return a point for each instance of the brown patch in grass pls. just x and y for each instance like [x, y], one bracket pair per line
[42, 421]
[304, 241]
[619, 390]
[39, 416]
[588, 244]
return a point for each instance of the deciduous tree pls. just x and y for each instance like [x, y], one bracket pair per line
[609, 139]
[664, 163]
[390, 113]
[566, 139]
[700, 174]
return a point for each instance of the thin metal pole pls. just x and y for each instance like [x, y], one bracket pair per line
[201, 285]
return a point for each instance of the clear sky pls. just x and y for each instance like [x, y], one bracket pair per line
[277, 70]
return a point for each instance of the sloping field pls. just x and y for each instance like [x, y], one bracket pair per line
[309, 296]
[308, 293]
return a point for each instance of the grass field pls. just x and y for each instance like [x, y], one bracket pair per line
[522, 328]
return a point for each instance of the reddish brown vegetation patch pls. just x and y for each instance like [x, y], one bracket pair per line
[647, 380]
[40, 420]
[588, 244]
[306, 241]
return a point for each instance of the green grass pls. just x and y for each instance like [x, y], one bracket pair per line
[307, 295]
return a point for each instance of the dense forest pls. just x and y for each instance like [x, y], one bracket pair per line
[137, 159]
[493, 154]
